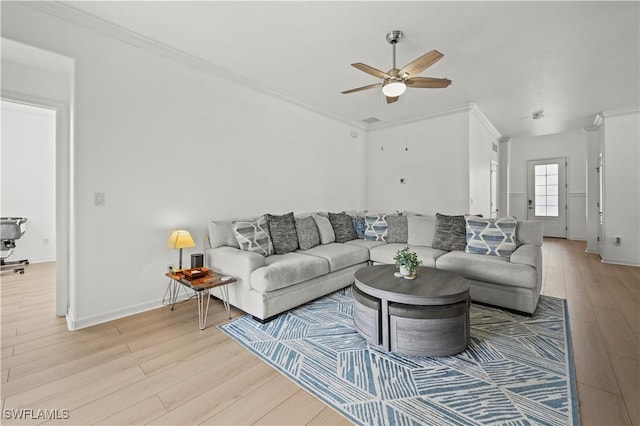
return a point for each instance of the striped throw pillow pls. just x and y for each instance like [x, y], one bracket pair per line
[253, 236]
[493, 237]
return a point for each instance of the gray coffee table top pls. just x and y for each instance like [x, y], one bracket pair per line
[430, 287]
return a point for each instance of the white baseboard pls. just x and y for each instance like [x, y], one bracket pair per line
[616, 262]
[77, 324]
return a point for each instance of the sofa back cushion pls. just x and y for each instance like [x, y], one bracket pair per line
[308, 235]
[221, 234]
[253, 235]
[530, 232]
[494, 237]
[451, 233]
[397, 229]
[282, 230]
[342, 225]
[324, 229]
[421, 230]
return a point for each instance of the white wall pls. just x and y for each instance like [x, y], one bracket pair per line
[621, 207]
[28, 178]
[175, 149]
[573, 146]
[435, 167]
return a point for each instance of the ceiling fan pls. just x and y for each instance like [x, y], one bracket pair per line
[397, 80]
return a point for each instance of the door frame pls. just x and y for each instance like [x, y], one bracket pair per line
[562, 189]
[494, 192]
[63, 190]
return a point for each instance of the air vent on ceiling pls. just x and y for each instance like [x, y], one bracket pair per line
[371, 120]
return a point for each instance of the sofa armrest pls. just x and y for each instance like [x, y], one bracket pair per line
[527, 254]
[233, 261]
[530, 232]
[530, 254]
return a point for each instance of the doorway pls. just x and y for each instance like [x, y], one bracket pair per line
[547, 195]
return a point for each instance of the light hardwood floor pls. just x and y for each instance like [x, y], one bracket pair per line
[159, 368]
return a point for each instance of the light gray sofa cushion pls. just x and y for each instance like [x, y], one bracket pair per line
[339, 255]
[385, 253]
[368, 244]
[325, 229]
[283, 270]
[421, 230]
[491, 269]
[221, 234]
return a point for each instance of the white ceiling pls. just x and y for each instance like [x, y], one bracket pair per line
[570, 59]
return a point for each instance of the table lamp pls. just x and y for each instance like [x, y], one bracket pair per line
[179, 240]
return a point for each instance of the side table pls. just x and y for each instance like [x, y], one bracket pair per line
[202, 288]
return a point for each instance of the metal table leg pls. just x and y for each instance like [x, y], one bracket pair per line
[225, 299]
[203, 310]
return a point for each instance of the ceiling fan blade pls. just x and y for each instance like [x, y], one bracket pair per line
[392, 99]
[428, 82]
[422, 63]
[358, 89]
[371, 70]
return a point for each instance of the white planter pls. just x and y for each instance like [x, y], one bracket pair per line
[404, 271]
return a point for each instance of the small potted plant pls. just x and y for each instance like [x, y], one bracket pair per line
[407, 262]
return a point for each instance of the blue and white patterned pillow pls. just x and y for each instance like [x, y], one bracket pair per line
[359, 225]
[493, 237]
[376, 227]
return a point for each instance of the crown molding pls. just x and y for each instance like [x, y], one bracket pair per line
[621, 111]
[475, 111]
[463, 108]
[117, 32]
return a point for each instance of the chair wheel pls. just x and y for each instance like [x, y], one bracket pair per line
[21, 272]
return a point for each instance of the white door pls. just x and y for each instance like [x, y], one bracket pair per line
[494, 189]
[547, 195]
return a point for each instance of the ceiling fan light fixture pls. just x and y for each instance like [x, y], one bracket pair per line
[394, 88]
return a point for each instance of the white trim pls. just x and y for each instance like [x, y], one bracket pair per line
[475, 111]
[621, 111]
[381, 125]
[77, 324]
[109, 29]
[615, 262]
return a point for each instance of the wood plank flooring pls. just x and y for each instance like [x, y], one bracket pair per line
[159, 368]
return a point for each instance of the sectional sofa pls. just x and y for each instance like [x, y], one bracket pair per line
[277, 274]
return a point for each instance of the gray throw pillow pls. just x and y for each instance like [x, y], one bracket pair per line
[283, 233]
[451, 233]
[308, 236]
[342, 227]
[397, 230]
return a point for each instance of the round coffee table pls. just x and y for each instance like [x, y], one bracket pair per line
[428, 315]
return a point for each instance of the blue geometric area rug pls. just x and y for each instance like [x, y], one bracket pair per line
[516, 370]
